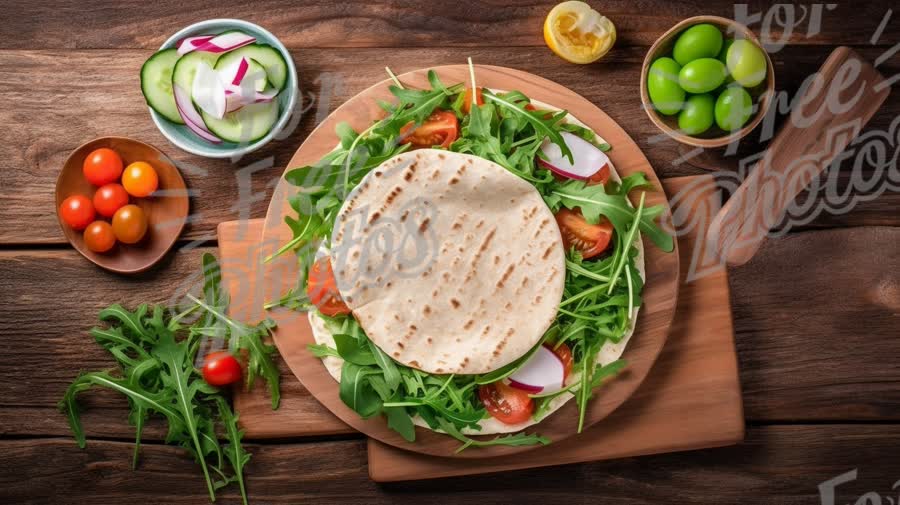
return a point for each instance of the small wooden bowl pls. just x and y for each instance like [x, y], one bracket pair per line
[715, 136]
[166, 210]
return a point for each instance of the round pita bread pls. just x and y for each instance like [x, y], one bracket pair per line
[450, 263]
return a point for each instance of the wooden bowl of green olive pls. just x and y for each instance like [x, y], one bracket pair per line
[707, 82]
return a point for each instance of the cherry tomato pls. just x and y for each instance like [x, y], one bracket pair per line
[600, 176]
[102, 166]
[322, 289]
[99, 237]
[110, 198]
[140, 179]
[589, 239]
[505, 403]
[564, 354]
[467, 99]
[77, 211]
[220, 369]
[441, 128]
[129, 224]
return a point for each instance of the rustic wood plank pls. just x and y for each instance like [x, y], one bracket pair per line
[815, 317]
[775, 464]
[394, 24]
[814, 313]
[109, 103]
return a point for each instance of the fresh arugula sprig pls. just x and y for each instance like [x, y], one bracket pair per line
[372, 384]
[155, 354]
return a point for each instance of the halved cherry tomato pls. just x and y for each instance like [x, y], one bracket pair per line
[441, 128]
[505, 403]
[77, 211]
[322, 289]
[99, 237]
[564, 354]
[467, 99]
[221, 369]
[589, 239]
[110, 198]
[600, 176]
[102, 166]
[140, 179]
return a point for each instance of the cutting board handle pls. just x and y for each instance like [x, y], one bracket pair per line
[832, 110]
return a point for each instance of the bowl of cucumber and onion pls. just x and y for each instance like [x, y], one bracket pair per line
[220, 88]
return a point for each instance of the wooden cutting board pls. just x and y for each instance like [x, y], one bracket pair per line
[690, 400]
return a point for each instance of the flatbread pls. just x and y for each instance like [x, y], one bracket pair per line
[609, 353]
[450, 263]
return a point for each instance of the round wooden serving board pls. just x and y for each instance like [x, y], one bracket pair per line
[660, 292]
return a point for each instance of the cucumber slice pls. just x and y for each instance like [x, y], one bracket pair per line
[254, 71]
[186, 68]
[156, 84]
[267, 56]
[247, 124]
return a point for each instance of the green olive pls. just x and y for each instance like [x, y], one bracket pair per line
[746, 63]
[702, 76]
[697, 115]
[662, 85]
[699, 41]
[733, 108]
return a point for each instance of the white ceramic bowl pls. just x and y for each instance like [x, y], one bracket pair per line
[187, 140]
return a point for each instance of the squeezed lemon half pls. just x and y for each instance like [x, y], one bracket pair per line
[577, 33]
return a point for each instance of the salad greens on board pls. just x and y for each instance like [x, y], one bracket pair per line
[155, 354]
[600, 293]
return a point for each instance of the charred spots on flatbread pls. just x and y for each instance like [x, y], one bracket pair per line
[455, 303]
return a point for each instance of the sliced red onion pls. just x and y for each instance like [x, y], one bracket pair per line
[208, 91]
[588, 159]
[192, 118]
[542, 373]
[234, 73]
[225, 42]
[237, 97]
[188, 44]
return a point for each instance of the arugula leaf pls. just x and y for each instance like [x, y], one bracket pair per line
[356, 393]
[235, 453]
[399, 421]
[541, 125]
[516, 439]
[595, 202]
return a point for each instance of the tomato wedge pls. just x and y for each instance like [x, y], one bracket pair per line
[564, 354]
[322, 289]
[467, 99]
[600, 176]
[589, 239]
[440, 129]
[505, 403]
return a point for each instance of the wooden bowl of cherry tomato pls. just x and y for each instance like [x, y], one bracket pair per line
[121, 203]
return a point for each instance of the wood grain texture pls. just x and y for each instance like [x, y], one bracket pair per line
[407, 23]
[829, 117]
[776, 464]
[110, 103]
[811, 335]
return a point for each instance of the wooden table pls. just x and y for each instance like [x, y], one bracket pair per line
[816, 313]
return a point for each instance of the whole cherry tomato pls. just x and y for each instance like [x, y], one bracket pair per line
[99, 237]
[102, 166]
[140, 179]
[77, 211]
[221, 369]
[129, 224]
[110, 198]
